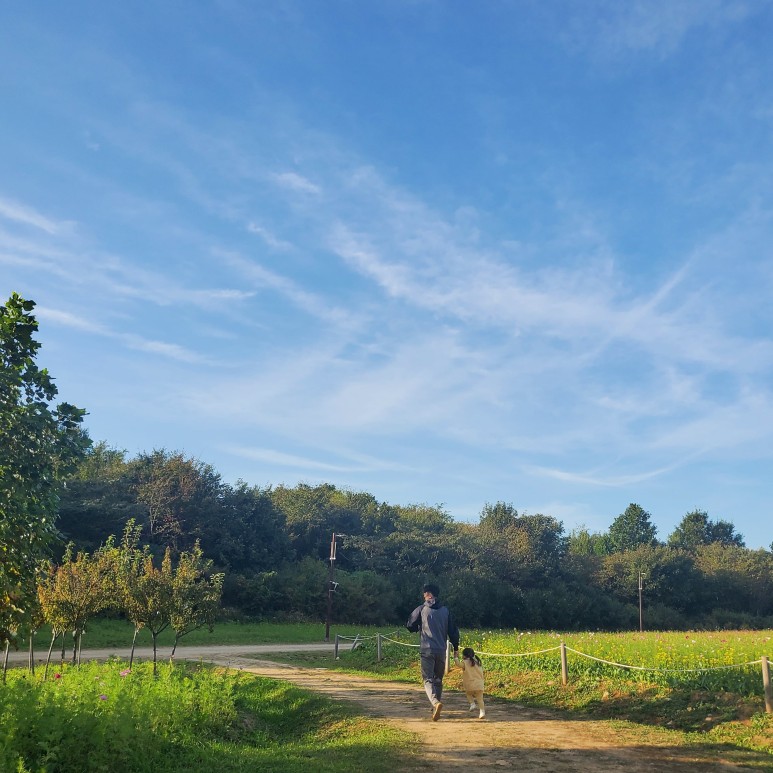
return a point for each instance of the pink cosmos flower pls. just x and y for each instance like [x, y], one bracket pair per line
[125, 672]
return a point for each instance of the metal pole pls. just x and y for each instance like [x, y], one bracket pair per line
[330, 587]
[641, 616]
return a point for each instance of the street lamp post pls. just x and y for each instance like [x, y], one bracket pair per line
[641, 607]
[331, 586]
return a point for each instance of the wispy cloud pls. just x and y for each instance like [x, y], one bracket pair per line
[595, 479]
[301, 463]
[269, 238]
[18, 213]
[163, 349]
[295, 182]
[132, 341]
[67, 319]
[261, 277]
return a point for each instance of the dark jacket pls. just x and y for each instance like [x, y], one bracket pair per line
[436, 625]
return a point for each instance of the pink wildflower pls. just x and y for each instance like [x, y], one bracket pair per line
[57, 676]
[125, 672]
[103, 697]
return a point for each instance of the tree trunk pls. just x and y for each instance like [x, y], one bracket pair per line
[32, 653]
[50, 650]
[155, 666]
[5, 659]
[174, 648]
[134, 641]
[64, 644]
[80, 645]
[74, 647]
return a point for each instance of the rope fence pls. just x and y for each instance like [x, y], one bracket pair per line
[563, 649]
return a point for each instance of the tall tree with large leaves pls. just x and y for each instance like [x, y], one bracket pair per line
[39, 445]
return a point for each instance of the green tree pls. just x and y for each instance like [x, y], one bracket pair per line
[632, 528]
[74, 591]
[724, 533]
[582, 542]
[148, 595]
[524, 550]
[99, 497]
[425, 543]
[246, 533]
[696, 528]
[693, 530]
[735, 579]
[312, 514]
[669, 576]
[179, 494]
[128, 563]
[195, 597]
[39, 446]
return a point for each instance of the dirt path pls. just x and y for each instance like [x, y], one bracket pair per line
[510, 738]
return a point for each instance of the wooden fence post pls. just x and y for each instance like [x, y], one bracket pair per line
[766, 685]
[564, 666]
[335, 649]
[378, 647]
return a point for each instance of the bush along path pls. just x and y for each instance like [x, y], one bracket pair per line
[511, 736]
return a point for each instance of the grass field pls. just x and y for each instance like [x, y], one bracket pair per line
[696, 706]
[106, 632]
[102, 717]
[700, 694]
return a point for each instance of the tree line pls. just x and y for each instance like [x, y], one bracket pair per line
[509, 569]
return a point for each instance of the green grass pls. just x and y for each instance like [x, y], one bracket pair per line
[720, 710]
[708, 660]
[694, 708]
[100, 718]
[106, 632]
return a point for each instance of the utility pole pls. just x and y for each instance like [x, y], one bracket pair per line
[641, 616]
[331, 585]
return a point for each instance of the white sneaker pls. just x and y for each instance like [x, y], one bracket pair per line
[482, 715]
[473, 707]
[438, 707]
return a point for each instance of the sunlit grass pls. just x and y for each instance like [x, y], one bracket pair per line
[106, 718]
[725, 706]
[697, 660]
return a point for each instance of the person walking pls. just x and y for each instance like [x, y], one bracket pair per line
[437, 626]
[472, 681]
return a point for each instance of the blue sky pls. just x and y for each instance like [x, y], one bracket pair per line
[442, 252]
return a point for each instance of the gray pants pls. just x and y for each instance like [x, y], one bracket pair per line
[433, 669]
